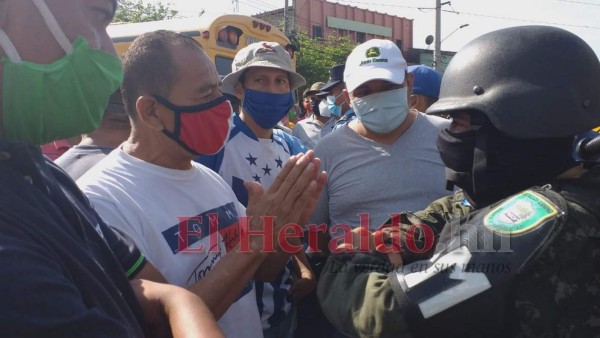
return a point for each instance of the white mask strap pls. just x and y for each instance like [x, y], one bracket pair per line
[9, 48]
[53, 26]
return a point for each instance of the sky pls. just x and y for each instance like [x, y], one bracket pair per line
[578, 16]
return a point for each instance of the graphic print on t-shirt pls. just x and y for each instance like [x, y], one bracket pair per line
[190, 230]
[255, 160]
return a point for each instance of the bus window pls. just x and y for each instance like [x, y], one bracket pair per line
[229, 37]
[223, 64]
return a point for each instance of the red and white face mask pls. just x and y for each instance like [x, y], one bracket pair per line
[201, 129]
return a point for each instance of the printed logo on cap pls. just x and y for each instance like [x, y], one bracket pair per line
[266, 49]
[373, 52]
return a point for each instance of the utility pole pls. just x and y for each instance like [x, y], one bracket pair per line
[285, 18]
[437, 52]
[292, 23]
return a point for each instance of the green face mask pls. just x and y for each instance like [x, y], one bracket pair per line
[66, 98]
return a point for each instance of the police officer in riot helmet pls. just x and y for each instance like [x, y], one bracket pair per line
[516, 251]
[524, 103]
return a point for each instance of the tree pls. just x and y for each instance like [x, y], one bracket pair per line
[138, 11]
[317, 56]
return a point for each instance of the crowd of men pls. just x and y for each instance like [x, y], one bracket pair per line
[403, 204]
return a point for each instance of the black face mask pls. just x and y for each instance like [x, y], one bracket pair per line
[456, 150]
[314, 105]
[490, 166]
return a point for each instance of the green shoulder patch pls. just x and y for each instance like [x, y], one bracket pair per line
[521, 213]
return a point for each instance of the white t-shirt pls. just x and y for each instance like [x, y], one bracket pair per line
[154, 204]
[247, 157]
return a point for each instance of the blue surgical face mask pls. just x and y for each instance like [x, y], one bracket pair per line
[382, 112]
[336, 110]
[266, 109]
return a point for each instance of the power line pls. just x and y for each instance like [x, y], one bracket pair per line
[267, 4]
[484, 15]
[249, 5]
[524, 20]
[262, 6]
[254, 5]
[579, 2]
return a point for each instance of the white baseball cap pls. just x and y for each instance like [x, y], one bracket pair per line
[261, 54]
[375, 59]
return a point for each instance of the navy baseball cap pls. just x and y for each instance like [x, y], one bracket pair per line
[336, 75]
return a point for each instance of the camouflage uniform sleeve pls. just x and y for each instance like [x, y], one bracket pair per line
[559, 293]
[356, 296]
[444, 209]
[354, 289]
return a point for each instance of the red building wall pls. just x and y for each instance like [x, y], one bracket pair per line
[310, 13]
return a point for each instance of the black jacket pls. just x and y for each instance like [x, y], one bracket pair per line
[61, 268]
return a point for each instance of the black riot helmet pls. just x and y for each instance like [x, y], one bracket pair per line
[530, 82]
[531, 89]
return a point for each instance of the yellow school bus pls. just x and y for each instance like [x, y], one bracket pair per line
[221, 36]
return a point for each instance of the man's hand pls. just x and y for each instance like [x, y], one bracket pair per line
[290, 199]
[307, 282]
[171, 308]
[293, 195]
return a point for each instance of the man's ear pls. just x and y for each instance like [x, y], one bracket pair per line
[410, 80]
[239, 91]
[413, 100]
[147, 112]
[345, 95]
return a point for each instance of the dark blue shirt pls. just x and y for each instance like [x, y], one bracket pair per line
[62, 269]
